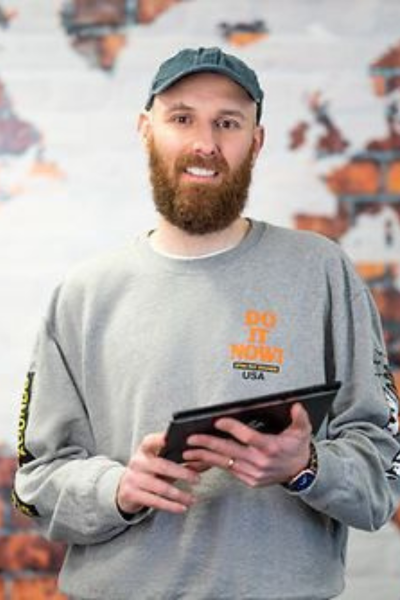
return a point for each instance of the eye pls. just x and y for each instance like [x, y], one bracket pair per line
[181, 119]
[228, 124]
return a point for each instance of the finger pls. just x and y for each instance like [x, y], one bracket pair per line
[243, 433]
[150, 500]
[175, 471]
[246, 472]
[226, 447]
[252, 454]
[161, 488]
[208, 457]
[165, 468]
[153, 443]
[253, 465]
[300, 419]
[222, 461]
[197, 466]
[251, 481]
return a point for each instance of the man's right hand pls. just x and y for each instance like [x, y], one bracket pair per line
[149, 480]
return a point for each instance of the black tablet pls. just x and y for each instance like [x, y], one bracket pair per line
[268, 414]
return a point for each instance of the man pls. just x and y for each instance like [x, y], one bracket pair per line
[209, 307]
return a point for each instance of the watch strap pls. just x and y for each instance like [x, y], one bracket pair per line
[306, 477]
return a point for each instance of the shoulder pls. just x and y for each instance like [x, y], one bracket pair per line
[295, 246]
[311, 255]
[97, 271]
[97, 280]
[93, 270]
[301, 240]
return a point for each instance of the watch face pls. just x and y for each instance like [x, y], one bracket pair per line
[303, 481]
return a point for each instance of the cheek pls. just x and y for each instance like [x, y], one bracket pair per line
[169, 152]
[244, 151]
[235, 158]
[168, 143]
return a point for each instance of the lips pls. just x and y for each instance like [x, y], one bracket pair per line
[201, 172]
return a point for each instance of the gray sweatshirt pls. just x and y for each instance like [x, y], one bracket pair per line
[132, 337]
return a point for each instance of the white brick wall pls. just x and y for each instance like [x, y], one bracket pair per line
[88, 120]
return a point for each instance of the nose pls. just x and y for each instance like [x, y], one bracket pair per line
[204, 142]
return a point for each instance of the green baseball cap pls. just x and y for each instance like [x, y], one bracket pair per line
[214, 60]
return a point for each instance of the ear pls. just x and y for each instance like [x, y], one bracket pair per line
[144, 126]
[258, 141]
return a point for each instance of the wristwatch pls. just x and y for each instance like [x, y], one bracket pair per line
[305, 478]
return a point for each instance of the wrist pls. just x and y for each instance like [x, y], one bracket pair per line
[127, 515]
[127, 510]
[305, 478]
[133, 517]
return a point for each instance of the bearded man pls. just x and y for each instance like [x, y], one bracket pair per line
[182, 318]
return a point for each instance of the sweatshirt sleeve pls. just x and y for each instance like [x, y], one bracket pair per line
[358, 480]
[61, 481]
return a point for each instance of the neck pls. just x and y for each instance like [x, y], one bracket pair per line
[172, 240]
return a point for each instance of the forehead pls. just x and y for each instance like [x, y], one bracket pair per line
[202, 89]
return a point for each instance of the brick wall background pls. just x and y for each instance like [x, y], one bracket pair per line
[29, 564]
[73, 76]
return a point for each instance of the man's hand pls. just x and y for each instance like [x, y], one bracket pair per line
[149, 481]
[257, 459]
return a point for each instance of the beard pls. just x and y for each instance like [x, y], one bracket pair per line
[199, 208]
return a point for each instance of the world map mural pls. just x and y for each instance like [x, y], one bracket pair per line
[73, 177]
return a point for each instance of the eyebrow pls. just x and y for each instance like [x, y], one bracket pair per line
[179, 106]
[228, 112]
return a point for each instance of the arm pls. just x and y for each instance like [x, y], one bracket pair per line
[60, 480]
[358, 463]
[76, 495]
[358, 481]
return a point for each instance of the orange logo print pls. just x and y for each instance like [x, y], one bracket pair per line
[257, 355]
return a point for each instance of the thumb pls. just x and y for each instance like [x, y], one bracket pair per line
[300, 419]
[153, 442]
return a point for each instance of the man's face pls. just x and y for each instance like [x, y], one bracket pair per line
[202, 142]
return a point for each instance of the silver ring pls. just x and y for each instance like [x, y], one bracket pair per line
[230, 464]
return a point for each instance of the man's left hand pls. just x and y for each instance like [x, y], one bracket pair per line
[257, 459]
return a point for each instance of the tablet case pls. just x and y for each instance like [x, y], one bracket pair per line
[268, 414]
